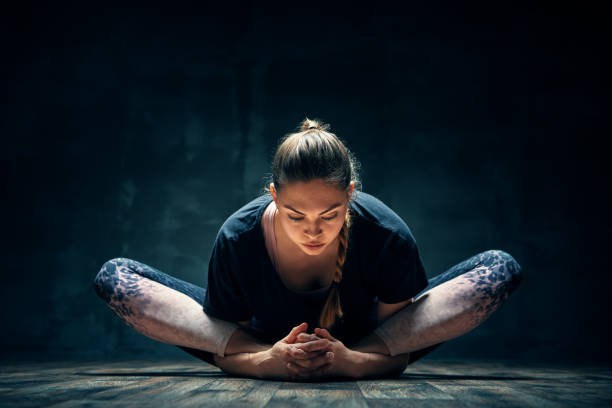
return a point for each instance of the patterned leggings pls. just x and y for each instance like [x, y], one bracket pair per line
[497, 275]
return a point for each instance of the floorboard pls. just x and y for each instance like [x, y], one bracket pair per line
[191, 383]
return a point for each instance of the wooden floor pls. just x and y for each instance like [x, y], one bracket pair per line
[191, 383]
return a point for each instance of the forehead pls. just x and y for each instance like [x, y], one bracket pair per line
[313, 195]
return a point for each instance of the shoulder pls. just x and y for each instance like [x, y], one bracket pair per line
[244, 221]
[372, 214]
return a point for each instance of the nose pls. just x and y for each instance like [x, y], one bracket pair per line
[313, 229]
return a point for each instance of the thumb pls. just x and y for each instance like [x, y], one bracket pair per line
[292, 336]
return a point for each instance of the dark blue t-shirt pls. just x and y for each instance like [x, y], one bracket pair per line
[382, 262]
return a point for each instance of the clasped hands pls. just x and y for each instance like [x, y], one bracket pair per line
[307, 356]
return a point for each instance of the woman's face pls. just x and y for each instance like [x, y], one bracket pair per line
[311, 213]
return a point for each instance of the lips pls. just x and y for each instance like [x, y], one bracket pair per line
[313, 245]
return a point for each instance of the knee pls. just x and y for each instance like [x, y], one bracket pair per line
[507, 267]
[107, 278]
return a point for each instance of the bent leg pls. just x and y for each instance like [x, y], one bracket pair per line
[162, 307]
[453, 303]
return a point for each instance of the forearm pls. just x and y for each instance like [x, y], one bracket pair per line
[242, 341]
[240, 357]
[376, 365]
[363, 365]
[239, 364]
[374, 359]
[371, 343]
[259, 365]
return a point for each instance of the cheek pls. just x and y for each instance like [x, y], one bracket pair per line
[338, 227]
[292, 229]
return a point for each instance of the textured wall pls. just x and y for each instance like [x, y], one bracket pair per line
[135, 133]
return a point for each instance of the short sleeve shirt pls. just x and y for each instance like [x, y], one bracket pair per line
[382, 263]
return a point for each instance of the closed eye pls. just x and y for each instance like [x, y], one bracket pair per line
[325, 218]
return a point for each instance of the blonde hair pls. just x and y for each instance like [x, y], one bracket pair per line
[315, 153]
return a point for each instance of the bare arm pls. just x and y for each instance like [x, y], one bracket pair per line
[239, 364]
[376, 360]
[246, 356]
[372, 343]
[271, 361]
[263, 364]
[239, 353]
[243, 342]
[373, 355]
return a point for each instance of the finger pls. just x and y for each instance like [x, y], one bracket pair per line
[307, 355]
[316, 362]
[320, 373]
[305, 337]
[322, 344]
[299, 372]
[323, 369]
[292, 352]
[324, 333]
[294, 332]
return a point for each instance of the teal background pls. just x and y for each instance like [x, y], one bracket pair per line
[136, 132]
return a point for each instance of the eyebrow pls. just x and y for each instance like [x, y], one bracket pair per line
[321, 213]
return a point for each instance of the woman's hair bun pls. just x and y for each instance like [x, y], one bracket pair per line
[308, 124]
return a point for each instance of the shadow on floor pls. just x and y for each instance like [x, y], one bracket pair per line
[205, 374]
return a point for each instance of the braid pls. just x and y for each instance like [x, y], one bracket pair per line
[332, 306]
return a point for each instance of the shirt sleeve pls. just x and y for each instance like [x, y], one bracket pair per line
[224, 296]
[401, 274]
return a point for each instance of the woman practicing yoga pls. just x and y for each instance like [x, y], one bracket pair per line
[312, 280]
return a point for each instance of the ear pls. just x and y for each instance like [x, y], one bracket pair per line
[273, 192]
[352, 187]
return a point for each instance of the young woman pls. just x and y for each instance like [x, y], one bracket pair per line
[312, 280]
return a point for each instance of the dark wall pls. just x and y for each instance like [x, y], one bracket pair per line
[137, 132]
